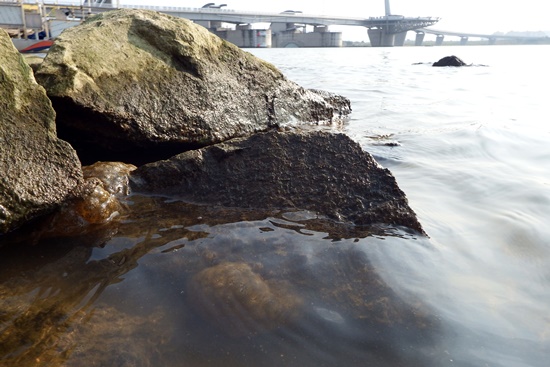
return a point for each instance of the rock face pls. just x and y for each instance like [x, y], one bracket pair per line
[326, 173]
[37, 170]
[135, 85]
[449, 61]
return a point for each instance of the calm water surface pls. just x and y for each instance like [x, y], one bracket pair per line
[469, 146]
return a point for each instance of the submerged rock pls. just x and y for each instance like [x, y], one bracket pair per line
[37, 170]
[449, 61]
[326, 173]
[136, 85]
[239, 301]
[59, 326]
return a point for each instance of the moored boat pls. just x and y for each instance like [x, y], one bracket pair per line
[33, 27]
[31, 45]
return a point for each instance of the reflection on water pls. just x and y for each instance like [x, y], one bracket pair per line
[175, 283]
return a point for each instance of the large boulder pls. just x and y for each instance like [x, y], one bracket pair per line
[322, 172]
[37, 170]
[136, 85]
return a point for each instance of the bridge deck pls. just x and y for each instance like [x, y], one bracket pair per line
[478, 35]
[399, 23]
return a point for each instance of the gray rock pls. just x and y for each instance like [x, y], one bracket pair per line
[326, 173]
[37, 170]
[135, 85]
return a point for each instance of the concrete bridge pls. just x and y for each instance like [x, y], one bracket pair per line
[286, 28]
[389, 30]
[491, 38]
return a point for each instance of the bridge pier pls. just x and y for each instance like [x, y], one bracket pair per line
[492, 41]
[289, 35]
[463, 40]
[419, 38]
[399, 39]
[439, 39]
[383, 37]
[380, 38]
[244, 36]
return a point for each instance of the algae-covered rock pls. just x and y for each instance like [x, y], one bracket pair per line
[239, 301]
[326, 173]
[135, 85]
[37, 170]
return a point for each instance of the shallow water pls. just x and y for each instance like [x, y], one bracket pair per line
[470, 148]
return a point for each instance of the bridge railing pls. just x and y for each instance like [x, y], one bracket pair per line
[177, 8]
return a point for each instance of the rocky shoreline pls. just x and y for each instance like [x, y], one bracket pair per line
[189, 115]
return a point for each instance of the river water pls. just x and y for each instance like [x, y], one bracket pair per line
[181, 285]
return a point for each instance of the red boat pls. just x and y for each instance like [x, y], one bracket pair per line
[29, 46]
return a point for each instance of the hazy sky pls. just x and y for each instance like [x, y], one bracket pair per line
[473, 16]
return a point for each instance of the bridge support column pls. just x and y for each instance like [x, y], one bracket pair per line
[463, 40]
[419, 38]
[244, 37]
[215, 25]
[492, 41]
[321, 28]
[380, 38]
[399, 39]
[439, 39]
[204, 23]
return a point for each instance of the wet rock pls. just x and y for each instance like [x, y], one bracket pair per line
[170, 86]
[113, 175]
[326, 173]
[449, 61]
[100, 201]
[93, 205]
[37, 170]
[97, 202]
[239, 301]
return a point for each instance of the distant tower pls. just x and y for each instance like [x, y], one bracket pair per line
[388, 12]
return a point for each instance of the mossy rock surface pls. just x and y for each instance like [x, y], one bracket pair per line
[37, 170]
[135, 83]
